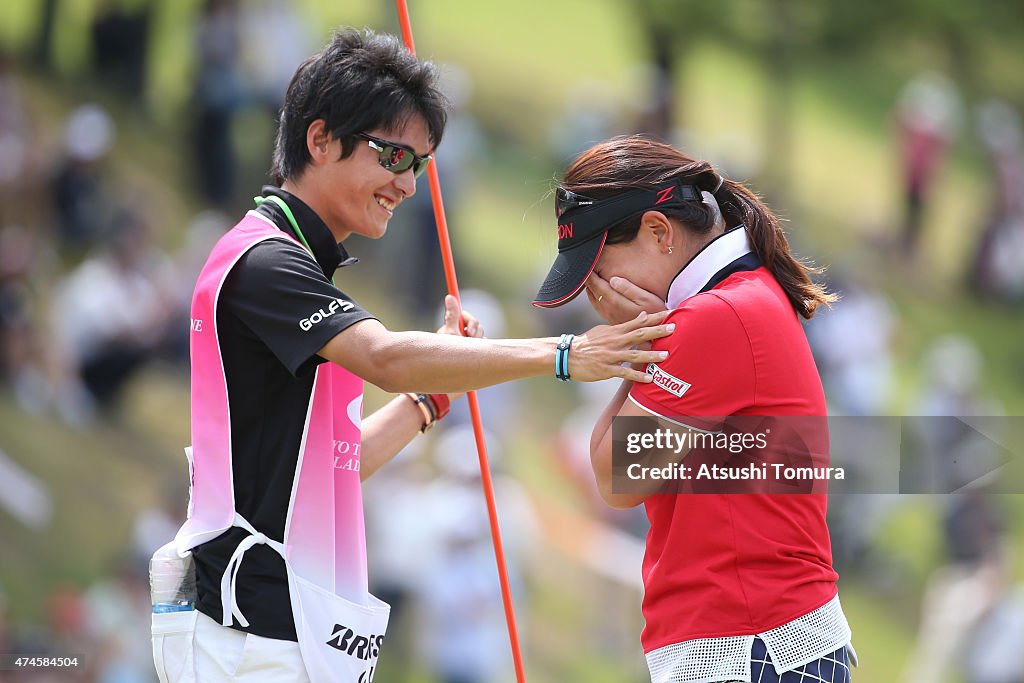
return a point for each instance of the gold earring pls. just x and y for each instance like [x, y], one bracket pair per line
[670, 250]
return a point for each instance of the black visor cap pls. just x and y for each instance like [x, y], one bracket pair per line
[582, 232]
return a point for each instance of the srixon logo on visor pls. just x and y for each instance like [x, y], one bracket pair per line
[565, 231]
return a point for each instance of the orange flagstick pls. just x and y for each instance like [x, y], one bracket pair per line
[474, 406]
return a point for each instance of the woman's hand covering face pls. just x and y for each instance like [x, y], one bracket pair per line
[618, 300]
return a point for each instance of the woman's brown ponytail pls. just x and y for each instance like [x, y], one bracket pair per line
[740, 205]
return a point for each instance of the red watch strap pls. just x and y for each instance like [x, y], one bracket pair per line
[442, 405]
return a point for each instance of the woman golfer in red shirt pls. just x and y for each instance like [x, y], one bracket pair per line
[736, 587]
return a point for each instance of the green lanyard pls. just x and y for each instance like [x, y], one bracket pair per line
[288, 214]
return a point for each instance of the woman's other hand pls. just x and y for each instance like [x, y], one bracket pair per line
[618, 300]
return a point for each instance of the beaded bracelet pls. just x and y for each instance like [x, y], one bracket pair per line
[422, 402]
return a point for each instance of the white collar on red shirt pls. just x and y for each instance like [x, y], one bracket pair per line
[708, 262]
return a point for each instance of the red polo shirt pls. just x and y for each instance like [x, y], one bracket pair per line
[733, 564]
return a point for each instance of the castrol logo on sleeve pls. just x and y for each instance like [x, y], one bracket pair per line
[663, 380]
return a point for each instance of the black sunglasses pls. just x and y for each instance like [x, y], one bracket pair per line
[395, 157]
[566, 199]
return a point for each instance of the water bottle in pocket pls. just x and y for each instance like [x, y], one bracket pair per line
[172, 580]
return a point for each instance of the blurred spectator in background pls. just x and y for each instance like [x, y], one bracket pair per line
[926, 118]
[218, 94]
[17, 247]
[852, 343]
[397, 529]
[943, 450]
[998, 267]
[15, 138]
[960, 593]
[588, 116]
[570, 451]
[446, 607]
[467, 639]
[23, 355]
[25, 497]
[500, 404]
[994, 650]
[120, 46]
[658, 118]
[201, 234]
[61, 635]
[609, 545]
[157, 522]
[110, 315]
[973, 528]
[116, 615]
[278, 39]
[81, 201]
[953, 380]
[6, 641]
[65, 630]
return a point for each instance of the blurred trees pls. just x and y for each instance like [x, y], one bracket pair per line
[958, 33]
[782, 35]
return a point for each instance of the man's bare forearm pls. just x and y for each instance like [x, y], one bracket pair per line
[435, 363]
[444, 363]
[440, 363]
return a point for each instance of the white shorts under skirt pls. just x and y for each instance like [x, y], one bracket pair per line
[190, 647]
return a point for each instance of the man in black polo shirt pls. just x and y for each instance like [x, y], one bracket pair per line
[359, 122]
[268, 360]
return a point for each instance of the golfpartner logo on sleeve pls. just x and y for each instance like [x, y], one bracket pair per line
[335, 306]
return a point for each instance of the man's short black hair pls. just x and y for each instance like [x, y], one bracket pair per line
[360, 81]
